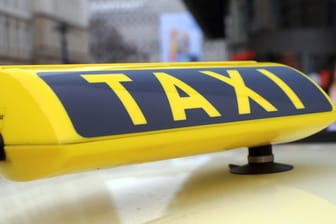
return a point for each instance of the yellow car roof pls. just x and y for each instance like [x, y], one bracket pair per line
[196, 189]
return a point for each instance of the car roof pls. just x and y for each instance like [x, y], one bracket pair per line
[197, 189]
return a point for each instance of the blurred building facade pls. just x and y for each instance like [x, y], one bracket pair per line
[29, 34]
[49, 16]
[136, 24]
[15, 31]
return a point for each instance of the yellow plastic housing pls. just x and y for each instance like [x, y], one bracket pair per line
[43, 137]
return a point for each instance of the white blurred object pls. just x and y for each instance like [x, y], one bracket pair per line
[316, 77]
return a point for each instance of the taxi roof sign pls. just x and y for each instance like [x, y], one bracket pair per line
[64, 118]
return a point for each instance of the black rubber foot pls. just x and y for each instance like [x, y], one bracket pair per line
[263, 168]
[260, 162]
[2, 150]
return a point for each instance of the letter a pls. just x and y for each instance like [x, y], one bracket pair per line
[179, 104]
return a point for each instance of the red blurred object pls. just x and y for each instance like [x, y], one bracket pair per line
[324, 77]
[245, 55]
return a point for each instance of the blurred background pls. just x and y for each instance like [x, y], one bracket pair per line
[299, 33]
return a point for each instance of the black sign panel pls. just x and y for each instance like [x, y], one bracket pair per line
[102, 103]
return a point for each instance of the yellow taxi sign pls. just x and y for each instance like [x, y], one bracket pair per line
[67, 118]
[123, 101]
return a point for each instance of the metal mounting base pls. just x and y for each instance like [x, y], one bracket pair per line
[260, 161]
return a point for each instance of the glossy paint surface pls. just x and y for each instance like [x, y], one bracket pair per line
[58, 119]
[196, 189]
